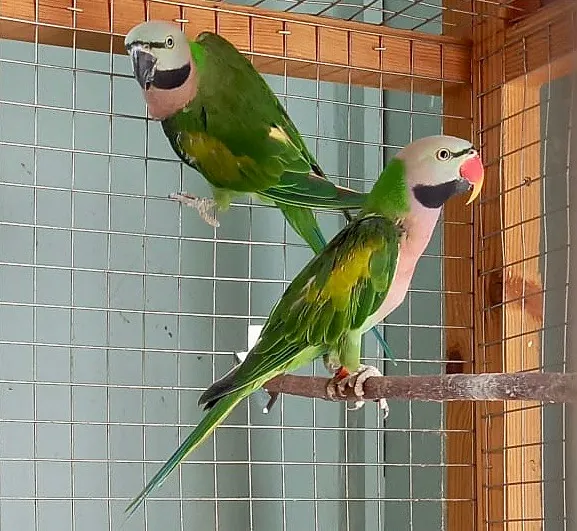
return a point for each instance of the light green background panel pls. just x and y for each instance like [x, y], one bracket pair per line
[119, 307]
[558, 192]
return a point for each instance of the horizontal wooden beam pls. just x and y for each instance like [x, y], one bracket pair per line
[544, 38]
[299, 45]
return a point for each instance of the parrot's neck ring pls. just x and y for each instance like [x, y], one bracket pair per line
[171, 79]
[435, 196]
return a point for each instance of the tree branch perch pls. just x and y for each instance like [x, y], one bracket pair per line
[544, 387]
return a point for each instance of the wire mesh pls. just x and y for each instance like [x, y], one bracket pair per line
[118, 308]
[526, 108]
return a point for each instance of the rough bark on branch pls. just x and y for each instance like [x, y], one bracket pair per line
[544, 387]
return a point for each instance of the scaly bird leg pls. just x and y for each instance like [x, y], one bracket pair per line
[343, 379]
[331, 364]
[204, 205]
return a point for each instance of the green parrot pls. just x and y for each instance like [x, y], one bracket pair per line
[343, 291]
[222, 119]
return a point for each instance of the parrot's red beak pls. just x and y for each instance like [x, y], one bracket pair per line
[473, 171]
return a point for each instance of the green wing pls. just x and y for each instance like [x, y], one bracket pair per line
[326, 304]
[238, 135]
[333, 296]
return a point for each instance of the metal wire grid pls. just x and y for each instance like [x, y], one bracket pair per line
[117, 309]
[527, 448]
[429, 16]
[422, 15]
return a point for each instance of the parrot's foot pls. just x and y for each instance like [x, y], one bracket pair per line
[204, 205]
[343, 379]
[331, 365]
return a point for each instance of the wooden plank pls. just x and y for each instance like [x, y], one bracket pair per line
[458, 280]
[302, 45]
[523, 304]
[458, 283]
[515, 62]
[538, 40]
[489, 39]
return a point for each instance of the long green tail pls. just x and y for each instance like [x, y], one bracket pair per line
[207, 425]
[327, 199]
[304, 223]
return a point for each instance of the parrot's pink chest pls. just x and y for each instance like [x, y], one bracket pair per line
[419, 226]
[164, 103]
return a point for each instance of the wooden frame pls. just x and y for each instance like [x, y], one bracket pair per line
[300, 45]
[458, 304]
[514, 62]
[493, 309]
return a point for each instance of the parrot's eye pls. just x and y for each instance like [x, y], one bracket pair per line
[443, 154]
[169, 41]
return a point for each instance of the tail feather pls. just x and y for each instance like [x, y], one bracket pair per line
[207, 425]
[344, 199]
[384, 345]
[303, 221]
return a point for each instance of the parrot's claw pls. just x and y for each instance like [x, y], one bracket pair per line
[343, 379]
[204, 205]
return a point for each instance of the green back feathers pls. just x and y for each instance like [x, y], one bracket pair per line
[390, 194]
[198, 54]
[235, 131]
[340, 288]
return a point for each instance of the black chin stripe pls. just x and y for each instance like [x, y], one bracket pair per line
[435, 196]
[171, 79]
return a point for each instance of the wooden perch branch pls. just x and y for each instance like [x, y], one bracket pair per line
[544, 387]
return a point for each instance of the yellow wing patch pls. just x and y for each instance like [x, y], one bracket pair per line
[215, 159]
[346, 274]
[279, 134]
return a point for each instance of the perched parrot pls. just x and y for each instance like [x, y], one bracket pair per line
[222, 119]
[345, 290]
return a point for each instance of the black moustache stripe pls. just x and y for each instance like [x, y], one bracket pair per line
[436, 196]
[160, 44]
[171, 79]
[461, 153]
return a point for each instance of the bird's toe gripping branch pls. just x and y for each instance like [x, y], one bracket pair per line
[206, 207]
[343, 379]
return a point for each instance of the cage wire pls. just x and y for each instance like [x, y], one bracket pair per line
[525, 263]
[118, 307]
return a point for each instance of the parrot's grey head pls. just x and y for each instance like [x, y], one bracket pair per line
[439, 167]
[160, 55]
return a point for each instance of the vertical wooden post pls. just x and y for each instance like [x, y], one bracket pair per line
[514, 62]
[488, 56]
[523, 304]
[458, 286]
